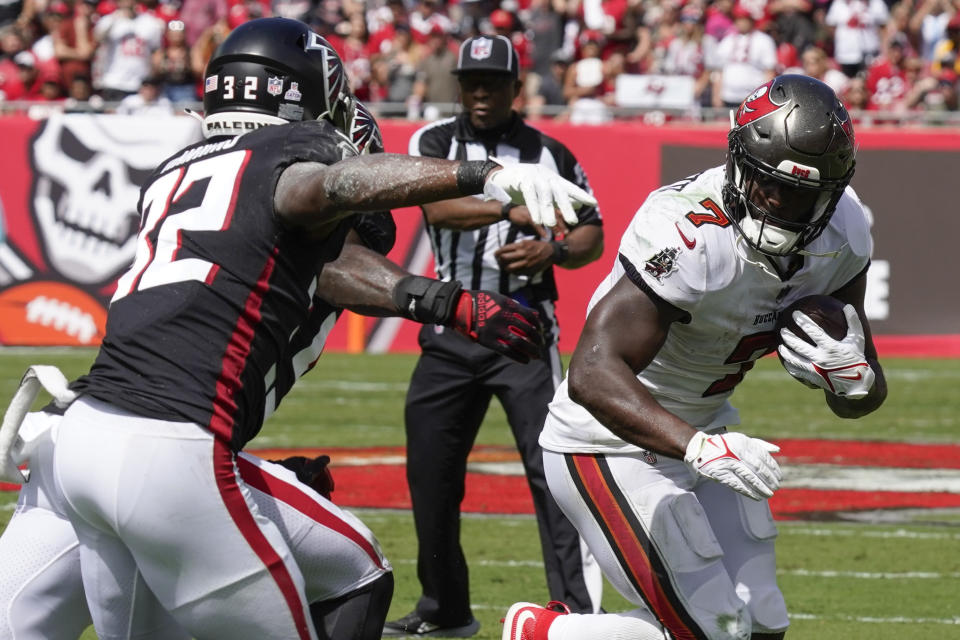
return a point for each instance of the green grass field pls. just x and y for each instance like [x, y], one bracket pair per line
[842, 580]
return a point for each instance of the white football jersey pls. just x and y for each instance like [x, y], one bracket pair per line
[682, 245]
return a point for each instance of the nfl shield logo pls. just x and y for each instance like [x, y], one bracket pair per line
[274, 86]
[481, 48]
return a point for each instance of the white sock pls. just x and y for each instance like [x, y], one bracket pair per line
[638, 624]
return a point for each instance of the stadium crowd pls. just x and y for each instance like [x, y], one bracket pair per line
[885, 56]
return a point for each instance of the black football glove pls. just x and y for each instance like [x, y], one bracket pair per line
[499, 323]
[313, 472]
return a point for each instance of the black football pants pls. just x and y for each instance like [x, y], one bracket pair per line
[449, 394]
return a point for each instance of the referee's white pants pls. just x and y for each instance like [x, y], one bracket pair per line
[164, 500]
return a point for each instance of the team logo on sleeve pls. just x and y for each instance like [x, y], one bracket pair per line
[662, 264]
[757, 105]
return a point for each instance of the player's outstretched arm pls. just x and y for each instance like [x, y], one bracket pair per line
[367, 283]
[314, 196]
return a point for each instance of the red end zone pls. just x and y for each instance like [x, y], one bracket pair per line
[376, 477]
[937, 346]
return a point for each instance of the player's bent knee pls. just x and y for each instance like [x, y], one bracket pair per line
[694, 557]
[769, 611]
[358, 615]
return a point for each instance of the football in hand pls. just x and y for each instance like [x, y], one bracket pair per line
[826, 311]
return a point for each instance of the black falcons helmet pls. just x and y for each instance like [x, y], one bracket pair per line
[269, 71]
[791, 138]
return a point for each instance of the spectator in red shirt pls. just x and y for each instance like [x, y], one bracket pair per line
[355, 55]
[506, 24]
[384, 30]
[28, 82]
[73, 42]
[887, 79]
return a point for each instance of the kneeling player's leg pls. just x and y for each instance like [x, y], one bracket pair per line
[335, 551]
[746, 532]
[652, 540]
[359, 615]
[348, 580]
[40, 583]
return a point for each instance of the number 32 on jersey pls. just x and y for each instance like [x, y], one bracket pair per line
[160, 239]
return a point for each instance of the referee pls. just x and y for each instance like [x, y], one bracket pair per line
[485, 245]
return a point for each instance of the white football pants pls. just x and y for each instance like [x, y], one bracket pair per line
[164, 520]
[698, 555]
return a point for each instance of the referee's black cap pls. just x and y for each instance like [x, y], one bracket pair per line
[488, 54]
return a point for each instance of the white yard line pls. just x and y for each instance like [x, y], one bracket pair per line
[829, 476]
[874, 620]
[802, 616]
[789, 529]
[804, 573]
[867, 575]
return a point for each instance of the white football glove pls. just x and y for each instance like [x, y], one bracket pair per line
[540, 189]
[737, 461]
[839, 366]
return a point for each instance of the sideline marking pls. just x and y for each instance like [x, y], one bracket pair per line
[867, 575]
[803, 573]
[874, 620]
[899, 533]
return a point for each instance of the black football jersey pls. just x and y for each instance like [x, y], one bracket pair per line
[220, 294]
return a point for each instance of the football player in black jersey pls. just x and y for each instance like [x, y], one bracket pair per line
[238, 235]
[348, 602]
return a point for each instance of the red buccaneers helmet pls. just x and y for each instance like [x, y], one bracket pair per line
[790, 156]
[271, 71]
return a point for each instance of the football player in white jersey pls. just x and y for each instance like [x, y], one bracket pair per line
[641, 446]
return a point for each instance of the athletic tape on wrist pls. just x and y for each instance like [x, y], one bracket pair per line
[426, 300]
[472, 174]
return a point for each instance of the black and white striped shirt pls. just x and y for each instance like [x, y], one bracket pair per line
[468, 256]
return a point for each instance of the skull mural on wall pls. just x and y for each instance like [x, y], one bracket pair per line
[87, 175]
